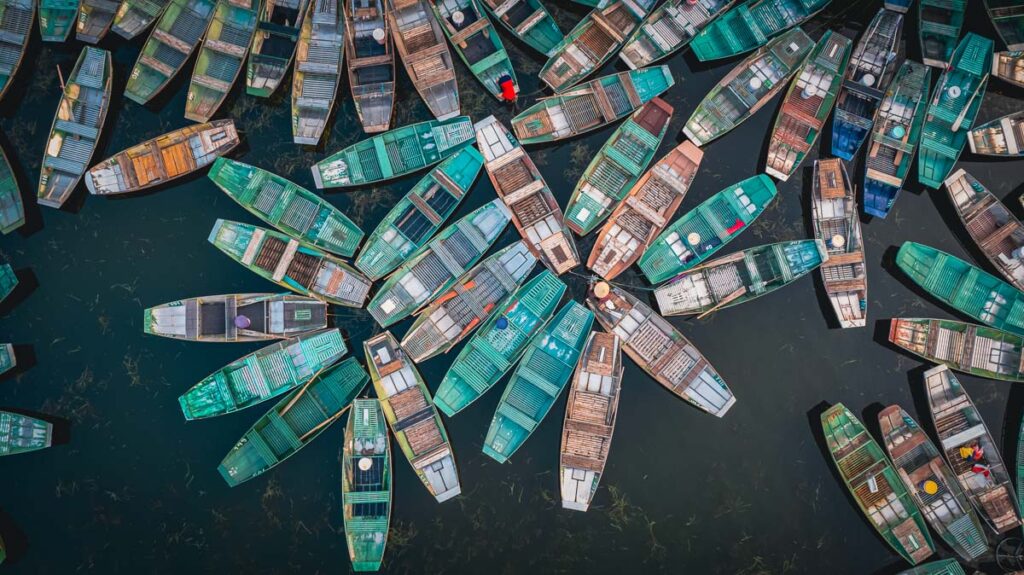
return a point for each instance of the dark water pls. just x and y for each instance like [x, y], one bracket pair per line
[134, 487]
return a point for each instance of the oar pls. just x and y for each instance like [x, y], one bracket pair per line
[963, 113]
[727, 299]
[325, 423]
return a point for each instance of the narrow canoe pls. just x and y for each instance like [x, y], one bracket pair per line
[748, 87]
[371, 62]
[8, 281]
[240, 317]
[366, 485]
[499, 343]
[411, 414]
[538, 381]
[590, 420]
[420, 214]
[455, 313]
[944, 567]
[705, 229]
[939, 24]
[56, 19]
[590, 106]
[901, 6]
[617, 166]
[953, 343]
[294, 422]
[162, 159]
[837, 224]
[644, 212]
[960, 428]
[1009, 66]
[221, 56]
[995, 230]
[94, 19]
[273, 45]
[435, 267]
[931, 483]
[875, 485]
[1001, 137]
[659, 349]
[318, 69]
[7, 358]
[12, 209]
[76, 127]
[134, 16]
[422, 48]
[263, 374]
[169, 46]
[283, 260]
[530, 202]
[477, 42]
[529, 21]
[751, 25]
[21, 433]
[670, 28]
[1008, 19]
[290, 208]
[393, 154]
[16, 27]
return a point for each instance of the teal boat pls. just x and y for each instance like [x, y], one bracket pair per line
[952, 343]
[944, 567]
[751, 25]
[16, 18]
[538, 381]
[670, 28]
[1008, 19]
[939, 25]
[499, 343]
[7, 358]
[366, 485]
[294, 210]
[168, 48]
[12, 209]
[395, 153]
[703, 231]
[242, 317]
[22, 434]
[953, 108]
[273, 46]
[319, 57]
[134, 16]
[420, 214]
[471, 34]
[221, 56]
[8, 281]
[294, 422]
[56, 18]
[529, 21]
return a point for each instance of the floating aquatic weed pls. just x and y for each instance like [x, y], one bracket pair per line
[131, 369]
[734, 504]
[579, 158]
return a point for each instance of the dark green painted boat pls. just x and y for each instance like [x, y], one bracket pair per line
[22, 434]
[7, 358]
[273, 46]
[56, 18]
[953, 343]
[134, 16]
[670, 28]
[529, 21]
[221, 56]
[8, 280]
[939, 24]
[12, 209]
[471, 34]
[94, 19]
[16, 17]
[169, 46]
[751, 25]
[943, 567]
[1008, 19]
[366, 485]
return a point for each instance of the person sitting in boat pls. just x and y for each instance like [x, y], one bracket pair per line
[972, 453]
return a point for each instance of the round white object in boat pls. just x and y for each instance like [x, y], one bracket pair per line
[868, 80]
[365, 463]
[755, 83]
[838, 241]
[809, 92]
[693, 238]
[954, 91]
[458, 17]
[898, 131]
[378, 35]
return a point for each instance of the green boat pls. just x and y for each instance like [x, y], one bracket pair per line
[56, 17]
[954, 343]
[953, 108]
[283, 260]
[538, 381]
[471, 34]
[134, 16]
[939, 24]
[273, 46]
[21, 433]
[236, 317]
[702, 231]
[7, 358]
[966, 288]
[1009, 67]
[12, 209]
[366, 485]
[294, 422]
[410, 413]
[529, 21]
[499, 343]
[221, 55]
[169, 46]
[318, 69]
[435, 267]
[395, 153]
[16, 18]
[290, 208]
[94, 19]
[1002, 137]
[8, 281]
[1008, 19]
[617, 166]
[420, 214]
[944, 567]
[751, 25]
[590, 106]
[263, 374]
[875, 485]
[748, 87]
[670, 28]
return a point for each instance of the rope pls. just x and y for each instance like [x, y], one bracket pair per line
[592, 277]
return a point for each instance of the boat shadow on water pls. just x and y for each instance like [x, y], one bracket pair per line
[26, 358]
[14, 539]
[27, 283]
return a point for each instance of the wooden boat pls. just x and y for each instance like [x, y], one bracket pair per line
[410, 413]
[943, 567]
[284, 261]
[1009, 66]
[499, 343]
[931, 483]
[366, 485]
[434, 268]
[16, 27]
[590, 420]
[1008, 19]
[538, 381]
[995, 230]
[7, 358]
[371, 62]
[617, 166]
[939, 24]
[420, 214]
[590, 106]
[393, 154]
[8, 281]
[896, 129]
[644, 212]
[290, 208]
[963, 287]
[273, 45]
[12, 209]
[960, 428]
[455, 313]
[704, 230]
[263, 374]
[530, 202]
[169, 46]
[94, 19]
[748, 87]
[318, 69]
[477, 42]
[875, 485]
[871, 70]
[134, 16]
[76, 127]
[162, 159]
[954, 106]
[659, 349]
[221, 56]
[901, 6]
[974, 349]
[420, 44]
[837, 225]
[22, 434]
[668, 29]
[1000, 137]
[751, 25]
[529, 21]
[56, 18]
[294, 422]
[807, 105]
[240, 317]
